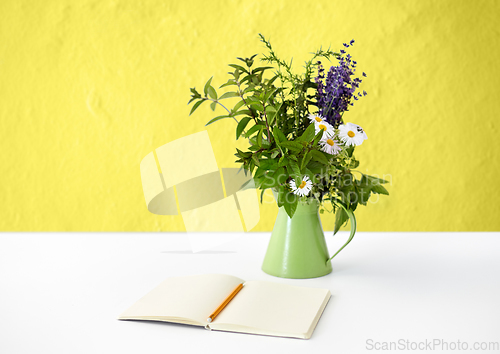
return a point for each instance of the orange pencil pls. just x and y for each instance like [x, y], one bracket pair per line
[224, 303]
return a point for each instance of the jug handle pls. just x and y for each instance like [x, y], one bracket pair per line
[352, 219]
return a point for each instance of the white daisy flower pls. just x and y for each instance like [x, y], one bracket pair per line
[352, 134]
[316, 118]
[304, 188]
[330, 145]
[326, 127]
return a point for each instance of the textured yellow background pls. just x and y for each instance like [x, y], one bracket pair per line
[88, 88]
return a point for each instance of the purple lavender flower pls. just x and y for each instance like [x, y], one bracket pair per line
[336, 92]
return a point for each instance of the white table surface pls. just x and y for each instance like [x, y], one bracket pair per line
[62, 292]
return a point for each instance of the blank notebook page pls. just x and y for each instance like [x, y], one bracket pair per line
[274, 307]
[194, 297]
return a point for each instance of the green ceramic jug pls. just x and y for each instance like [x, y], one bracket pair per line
[297, 248]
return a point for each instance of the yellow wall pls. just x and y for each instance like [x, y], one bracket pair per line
[88, 88]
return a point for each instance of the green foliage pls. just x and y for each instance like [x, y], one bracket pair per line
[340, 219]
[270, 105]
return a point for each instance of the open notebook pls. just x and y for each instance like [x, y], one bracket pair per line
[258, 308]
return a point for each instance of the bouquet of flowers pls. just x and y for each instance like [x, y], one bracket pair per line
[299, 142]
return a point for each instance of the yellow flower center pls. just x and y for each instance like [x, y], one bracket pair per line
[302, 185]
[351, 134]
[323, 127]
[318, 119]
[330, 142]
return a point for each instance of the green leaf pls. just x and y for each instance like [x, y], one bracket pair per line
[278, 135]
[272, 180]
[259, 173]
[346, 182]
[379, 189]
[216, 119]
[211, 92]
[364, 194]
[354, 164]
[243, 111]
[229, 95]
[240, 68]
[253, 99]
[195, 95]
[194, 92]
[318, 137]
[265, 182]
[262, 195]
[213, 105]
[249, 89]
[305, 160]
[375, 180]
[270, 82]
[246, 78]
[280, 175]
[262, 68]
[295, 172]
[265, 143]
[268, 94]
[256, 160]
[341, 218]
[238, 106]
[292, 145]
[272, 118]
[229, 82]
[268, 164]
[253, 130]
[283, 161]
[290, 203]
[207, 85]
[257, 106]
[270, 114]
[270, 109]
[316, 167]
[353, 198]
[196, 105]
[281, 196]
[308, 134]
[236, 74]
[259, 137]
[243, 154]
[311, 175]
[319, 156]
[241, 126]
